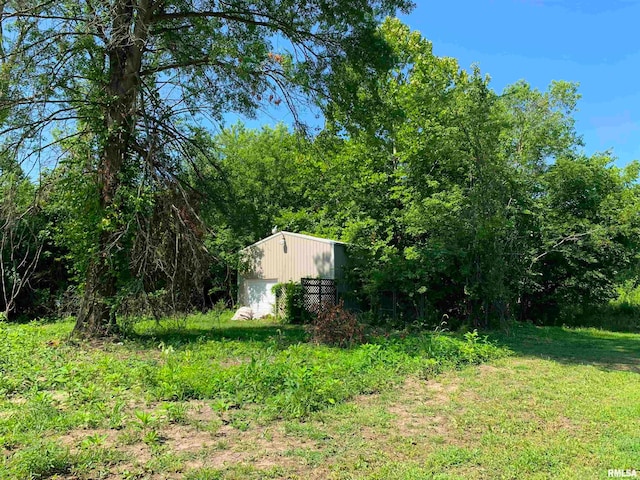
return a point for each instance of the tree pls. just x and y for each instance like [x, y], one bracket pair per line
[116, 86]
[21, 237]
[459, 197]
[268, 175]
[589, 236]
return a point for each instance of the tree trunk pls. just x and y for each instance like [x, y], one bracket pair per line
[96, 316]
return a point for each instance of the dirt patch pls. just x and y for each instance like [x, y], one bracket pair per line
[17, 400]
[201, 412]
[103, 436]
[266, 447]
[439, 393]
[234, 362]
[408, 410]
[415, 394]
[140, 452]
[6, 415]
[262, 448]
[217, 459]
[632, 366]
[486, 369]
[182, 439]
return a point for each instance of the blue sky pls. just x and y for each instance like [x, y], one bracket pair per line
[593, 42]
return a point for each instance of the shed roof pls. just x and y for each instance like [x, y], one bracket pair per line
[299, 235]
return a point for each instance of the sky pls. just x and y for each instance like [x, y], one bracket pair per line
[593, 42]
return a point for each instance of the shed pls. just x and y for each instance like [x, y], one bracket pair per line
[285, 257]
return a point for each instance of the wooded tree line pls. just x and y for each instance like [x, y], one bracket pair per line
[463, 201]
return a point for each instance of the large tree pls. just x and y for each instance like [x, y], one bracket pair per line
[115, 88]
[452, 191]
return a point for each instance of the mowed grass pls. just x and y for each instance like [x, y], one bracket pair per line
[566, 406]
[180, 399]
[223, 400]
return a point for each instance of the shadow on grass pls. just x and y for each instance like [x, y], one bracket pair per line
[603, 349]
[176, 337]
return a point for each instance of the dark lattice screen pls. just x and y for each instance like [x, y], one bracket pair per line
[317, 291]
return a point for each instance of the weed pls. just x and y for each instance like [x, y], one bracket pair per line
[116, 415]
[95, 440]
[240, 422]
[205, 474]
[41, 460]
[221, 405]
[151, 438]
[176, 413]
[218, 310]
[145, 419]
[95, 461]
[130, 437]
[49, 387]
[131, 474]
[166, 462]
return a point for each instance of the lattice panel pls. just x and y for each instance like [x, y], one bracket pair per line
[317, 291]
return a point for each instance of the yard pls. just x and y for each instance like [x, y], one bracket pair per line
[207, 399]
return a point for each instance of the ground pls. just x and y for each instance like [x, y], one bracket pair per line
[564, 404]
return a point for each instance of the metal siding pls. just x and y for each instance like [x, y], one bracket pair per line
[339, 261]
[259, 296]
[242, 296]
[298, 258]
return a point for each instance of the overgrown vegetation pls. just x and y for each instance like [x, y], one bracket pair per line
[207, 399]
[455, 200]
[289, 302]
[242, 373]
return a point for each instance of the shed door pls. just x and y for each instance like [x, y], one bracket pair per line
[261, 298]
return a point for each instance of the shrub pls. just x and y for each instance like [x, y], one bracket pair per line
[289, 304]
[334, 325]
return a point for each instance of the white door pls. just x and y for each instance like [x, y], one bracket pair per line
[261, 297]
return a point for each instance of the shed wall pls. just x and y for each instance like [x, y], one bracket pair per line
[291, 260]
[339, 263]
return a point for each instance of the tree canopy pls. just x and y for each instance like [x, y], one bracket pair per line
[118, 89]
[458, 201]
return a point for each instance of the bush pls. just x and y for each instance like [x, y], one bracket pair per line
[289, 303]
[334, 325]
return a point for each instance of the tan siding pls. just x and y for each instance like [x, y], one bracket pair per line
[297, 258]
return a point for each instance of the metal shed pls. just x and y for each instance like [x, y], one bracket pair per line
[284, 257]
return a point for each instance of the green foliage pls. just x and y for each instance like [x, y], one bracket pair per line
[456, 201]
[176, 413]
[261, 370]
[41, 460]
[289, 301]
[292, 381]
[205, 474]
[26, 264]
[232, 366]
[122, 113]
[49, 387]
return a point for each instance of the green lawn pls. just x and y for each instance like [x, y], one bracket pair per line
[209, 399]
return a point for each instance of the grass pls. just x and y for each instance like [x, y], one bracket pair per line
[160, 401]
[252, 400]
